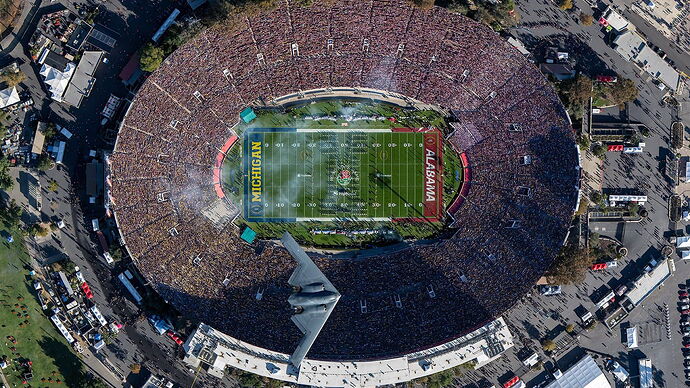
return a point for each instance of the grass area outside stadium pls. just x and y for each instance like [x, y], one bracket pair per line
[53, 361]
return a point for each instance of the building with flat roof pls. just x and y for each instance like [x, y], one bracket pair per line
[214, 350]
[157, 382]
[649, 281]
[39, 139]
[631, 46]
[613, 19]
[584, 374]
[646, 376]
[82, 81]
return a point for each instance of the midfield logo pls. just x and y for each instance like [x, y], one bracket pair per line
[344, 177]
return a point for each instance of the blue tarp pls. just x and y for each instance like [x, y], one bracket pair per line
[247, 115]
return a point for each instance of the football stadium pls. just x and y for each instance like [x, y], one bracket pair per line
[418, 139]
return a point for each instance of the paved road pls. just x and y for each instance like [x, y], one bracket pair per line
[134, 21]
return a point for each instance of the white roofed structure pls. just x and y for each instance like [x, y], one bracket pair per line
[9, 97]
[683, 242]
[83, 80]
[648, 282]
[218, 350]
[584, 374]
[57, 80]
[615, 20]
[631, 337]
[646, 376]
[634, 48]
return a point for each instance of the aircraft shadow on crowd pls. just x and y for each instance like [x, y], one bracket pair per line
[384, 330]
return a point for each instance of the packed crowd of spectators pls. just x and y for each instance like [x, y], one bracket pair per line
[507, 231]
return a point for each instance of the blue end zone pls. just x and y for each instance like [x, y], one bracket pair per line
[254, 197]
[253, 177]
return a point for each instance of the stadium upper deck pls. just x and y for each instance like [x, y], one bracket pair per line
[510, 219]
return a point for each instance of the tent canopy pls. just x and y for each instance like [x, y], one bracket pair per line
[8, 97]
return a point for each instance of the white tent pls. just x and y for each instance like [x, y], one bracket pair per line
[620, 373]
[631, 334]
[57, 80]
[683, 242]
[584, 374]
[8, 97]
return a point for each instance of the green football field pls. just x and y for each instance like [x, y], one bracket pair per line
[331, 174]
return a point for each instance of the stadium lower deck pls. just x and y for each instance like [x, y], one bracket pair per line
[297, 175]
[504, 231]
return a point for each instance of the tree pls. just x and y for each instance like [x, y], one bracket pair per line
[570, 265]
[135, 368]
[565, 4]
[6, 180]
[151, 57]
[115, 253]
[599, 151]
[91, 382]
[586, 19]
[438, 380]
[44, 163]
[577, 90]
[583, 142]
[50, 131]
[623, 91]
[548, 345]
[570, 328]
[12, 78]
[172, 39]
[38, 230]
[12, 213]
[53, 185]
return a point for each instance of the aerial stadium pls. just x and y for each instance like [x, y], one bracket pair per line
[427, 168]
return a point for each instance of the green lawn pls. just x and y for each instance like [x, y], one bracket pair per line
[21, 317]
[331, 174]
[333, 113]
[352, 117]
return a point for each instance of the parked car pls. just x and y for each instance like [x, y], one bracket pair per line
[550, 290]
[621, 289]
[684, 307]
[174, 337]
[606, 78]
[684, 299]
[685, 312]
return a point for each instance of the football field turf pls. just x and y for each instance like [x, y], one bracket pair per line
[330, 174]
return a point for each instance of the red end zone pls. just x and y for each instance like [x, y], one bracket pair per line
[219, 165]
[433, 175]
